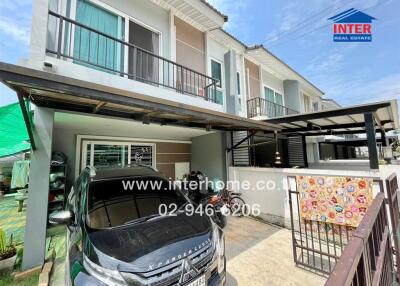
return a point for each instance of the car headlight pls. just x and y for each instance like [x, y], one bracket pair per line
[108, 276]
[219, 242]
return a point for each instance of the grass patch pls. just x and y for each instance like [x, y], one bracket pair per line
[7, 280]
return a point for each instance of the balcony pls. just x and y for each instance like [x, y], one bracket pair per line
[74, 42]
[261, 107]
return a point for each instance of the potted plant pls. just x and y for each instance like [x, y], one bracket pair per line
[8, 253]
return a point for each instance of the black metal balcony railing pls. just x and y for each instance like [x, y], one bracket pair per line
[259, 106]
[72, 41]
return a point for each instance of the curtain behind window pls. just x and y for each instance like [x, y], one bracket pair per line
[279, 101]
[91, 48]
[270, 107]
[147, 66]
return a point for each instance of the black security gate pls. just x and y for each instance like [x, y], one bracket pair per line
[317, 246]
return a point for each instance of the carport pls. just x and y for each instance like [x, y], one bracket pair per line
[291, 141]
[367, 119]
[62, 103]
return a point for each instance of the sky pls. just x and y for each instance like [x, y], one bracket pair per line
[297, 31]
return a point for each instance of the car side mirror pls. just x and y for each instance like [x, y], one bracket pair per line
[61, 218]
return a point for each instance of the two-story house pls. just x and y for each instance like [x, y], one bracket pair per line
[153, 82]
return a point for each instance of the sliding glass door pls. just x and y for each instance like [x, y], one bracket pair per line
[143, 65]
[91, 48]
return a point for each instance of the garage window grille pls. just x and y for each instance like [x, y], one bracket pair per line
[106, 154]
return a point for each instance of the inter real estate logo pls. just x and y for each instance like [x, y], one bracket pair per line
[352, 26]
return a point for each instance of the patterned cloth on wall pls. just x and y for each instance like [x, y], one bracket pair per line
[339, 200]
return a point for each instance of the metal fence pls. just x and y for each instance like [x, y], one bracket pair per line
[368, 258]
[366, 255]
[317, 246]
[259, 106]
[72, 41]
[392, 191]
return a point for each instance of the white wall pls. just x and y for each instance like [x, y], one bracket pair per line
[272, 82]
[274, 202]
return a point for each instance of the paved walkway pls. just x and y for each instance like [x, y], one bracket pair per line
[259, 254]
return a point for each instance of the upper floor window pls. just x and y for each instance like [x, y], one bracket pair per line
[216, 73]
[90, 48]
[238, 91]
[315, 106]
[272, 96]
[144, 67]
[238, 82]
[307, 103]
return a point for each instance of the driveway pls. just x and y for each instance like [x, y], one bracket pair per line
[259, 254]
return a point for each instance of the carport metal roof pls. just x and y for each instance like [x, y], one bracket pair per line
[346, 120]
[54, 91]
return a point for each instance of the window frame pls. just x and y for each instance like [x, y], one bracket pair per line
[129, 144]
[220, 85]
[275, 92]
[125, 35]
[309, 99]
[239, 90]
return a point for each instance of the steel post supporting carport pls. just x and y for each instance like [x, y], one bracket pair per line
[371, 140]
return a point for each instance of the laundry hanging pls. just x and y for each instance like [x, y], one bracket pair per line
[20, 174]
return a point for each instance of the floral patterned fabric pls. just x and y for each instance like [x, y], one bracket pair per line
[338, 200]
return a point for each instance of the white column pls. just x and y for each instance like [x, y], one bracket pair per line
[37, 49]
[36, 216]
[172, 37]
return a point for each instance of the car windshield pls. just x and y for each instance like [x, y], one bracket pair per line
[117, 202]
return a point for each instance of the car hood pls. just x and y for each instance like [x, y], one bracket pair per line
[146, 246]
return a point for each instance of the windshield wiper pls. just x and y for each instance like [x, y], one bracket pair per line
[182, 206]
[142, 219]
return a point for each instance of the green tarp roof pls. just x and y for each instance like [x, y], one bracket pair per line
[14, 137]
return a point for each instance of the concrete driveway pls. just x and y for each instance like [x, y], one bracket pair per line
[259, 254]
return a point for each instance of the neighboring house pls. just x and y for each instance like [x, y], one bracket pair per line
[327, 103]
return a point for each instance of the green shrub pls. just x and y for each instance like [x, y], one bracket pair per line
[2, 240]
[6, 250]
